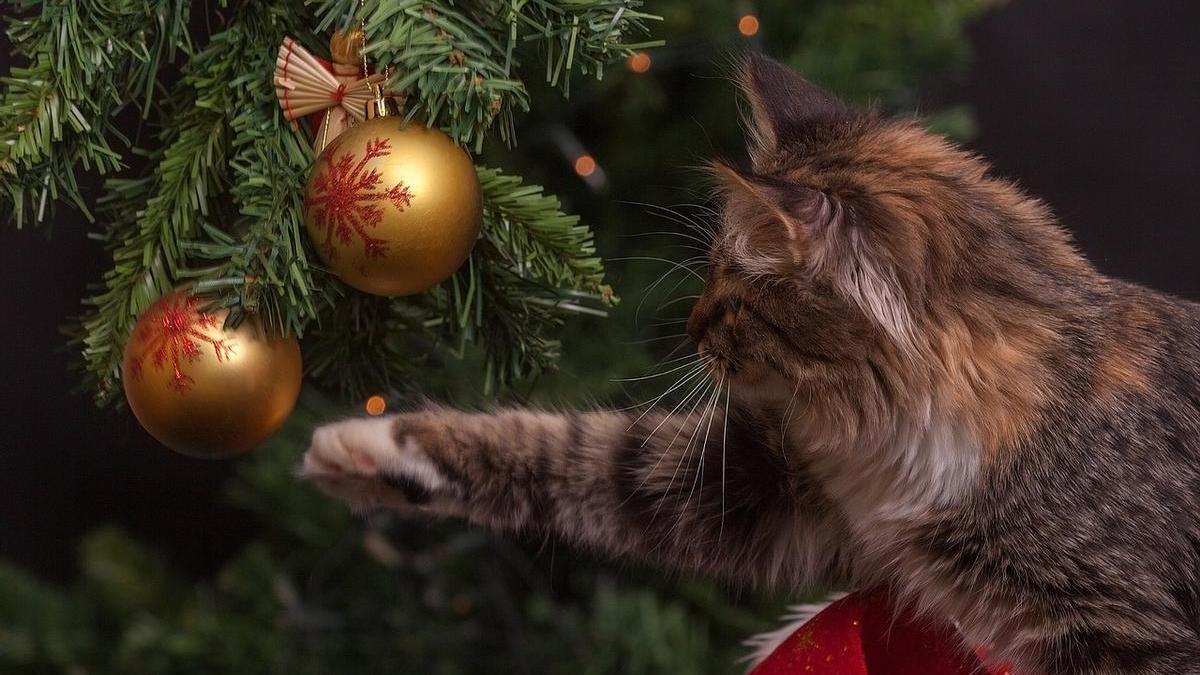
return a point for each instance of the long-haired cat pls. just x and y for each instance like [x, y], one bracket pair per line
[919, 384]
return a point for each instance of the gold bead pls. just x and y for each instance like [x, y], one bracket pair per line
[393, 208]
[205, 391]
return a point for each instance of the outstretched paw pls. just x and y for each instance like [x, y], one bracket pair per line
[361, 462]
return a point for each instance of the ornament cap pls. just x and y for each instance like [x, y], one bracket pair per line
[382, 105]
[345, 46]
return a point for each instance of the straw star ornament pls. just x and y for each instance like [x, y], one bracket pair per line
[337, 90]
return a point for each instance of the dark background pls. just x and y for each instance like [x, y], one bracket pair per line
[1093, 105]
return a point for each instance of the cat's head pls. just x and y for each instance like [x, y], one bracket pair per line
[859, 250]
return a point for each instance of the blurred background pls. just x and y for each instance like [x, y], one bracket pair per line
[118, 556]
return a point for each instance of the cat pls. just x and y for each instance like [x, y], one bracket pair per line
[914, 382]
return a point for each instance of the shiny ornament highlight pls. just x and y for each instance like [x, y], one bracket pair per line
[393, 208]
[204, 391]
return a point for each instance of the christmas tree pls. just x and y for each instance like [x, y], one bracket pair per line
[215, 197]
[175, 106]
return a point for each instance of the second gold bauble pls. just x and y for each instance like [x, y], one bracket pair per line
[205, 391]
[393, 208]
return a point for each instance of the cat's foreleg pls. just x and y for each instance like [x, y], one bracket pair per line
[690, 491]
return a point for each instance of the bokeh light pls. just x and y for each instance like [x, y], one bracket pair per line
[748, 25]
[585, 165]
[638, 62]
[376, 405]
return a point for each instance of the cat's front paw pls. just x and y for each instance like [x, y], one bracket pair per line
[362, 462]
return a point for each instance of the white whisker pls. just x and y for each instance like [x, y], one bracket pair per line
[670, 233]
[689, 221]
[655, 375]
[674, 288]
[702, 383]
[665, 418]
[678, 217]
[656, 339]
[685, 341]
[669, 322]
[637, 312]
[679, 299]
[685, 454]
[649, 405]
[787, 417]
[703, 448]
[677, 265]
[724, 448]
[668, 360]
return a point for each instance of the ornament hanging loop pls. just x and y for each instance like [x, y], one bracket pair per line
[382, 105]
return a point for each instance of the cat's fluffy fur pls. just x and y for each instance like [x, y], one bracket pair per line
[929, 390]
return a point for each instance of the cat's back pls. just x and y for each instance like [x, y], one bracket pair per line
[1091, 522]
[1124, 399]
[1159, 338]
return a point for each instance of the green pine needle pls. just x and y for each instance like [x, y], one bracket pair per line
[85, 61]
[463, 68]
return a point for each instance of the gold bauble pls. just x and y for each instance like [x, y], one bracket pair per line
[393, 208]
[202, 390]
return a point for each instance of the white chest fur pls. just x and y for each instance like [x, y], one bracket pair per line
[890, 479]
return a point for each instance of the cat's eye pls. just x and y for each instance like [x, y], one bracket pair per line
[733, 307]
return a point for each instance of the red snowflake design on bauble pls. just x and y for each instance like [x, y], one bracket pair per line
[345, 199]
[175, 332]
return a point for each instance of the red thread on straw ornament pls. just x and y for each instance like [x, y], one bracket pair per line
[287, 61]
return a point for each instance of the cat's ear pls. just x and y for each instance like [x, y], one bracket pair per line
[771, 224]
[773, 227]
[782, 105]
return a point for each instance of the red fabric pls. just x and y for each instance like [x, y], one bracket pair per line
[864, 634]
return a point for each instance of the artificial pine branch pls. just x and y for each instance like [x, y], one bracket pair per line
[462, 66]
[152, 217]
[537, 240]
[147, 243]
[87, 60]
[262, 268]
[366, 345]
[533, 266]
[522, 316]
[219, 205]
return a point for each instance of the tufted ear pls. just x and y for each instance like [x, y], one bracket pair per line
[772, 224]
[773, 227]
[783, 105]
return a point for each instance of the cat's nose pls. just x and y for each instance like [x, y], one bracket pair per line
[708, 314]
[697, 323]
